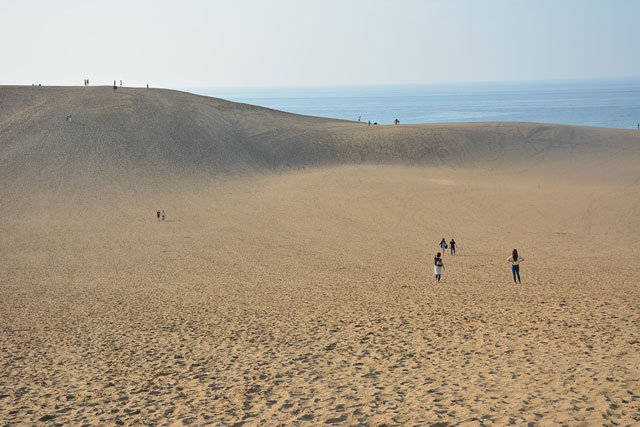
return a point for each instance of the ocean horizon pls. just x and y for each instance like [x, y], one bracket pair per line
[609, 103]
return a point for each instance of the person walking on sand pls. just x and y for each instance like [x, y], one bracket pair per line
[515, 261]
[438, 266]
[443, 245]
[163, 214]
[158, 215]
[452, 245]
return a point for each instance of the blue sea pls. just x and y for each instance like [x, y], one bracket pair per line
[612, 103]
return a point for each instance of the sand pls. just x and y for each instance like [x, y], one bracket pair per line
[292, 282]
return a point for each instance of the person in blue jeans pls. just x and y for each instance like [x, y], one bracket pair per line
[515, 261]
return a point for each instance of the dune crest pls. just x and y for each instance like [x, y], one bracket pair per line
[152, 135]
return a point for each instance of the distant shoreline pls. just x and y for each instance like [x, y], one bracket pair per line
[607, 103]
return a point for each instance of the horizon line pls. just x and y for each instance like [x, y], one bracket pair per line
[363, 85]
[469, 82]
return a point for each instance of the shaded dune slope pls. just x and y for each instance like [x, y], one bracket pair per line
[147, 135]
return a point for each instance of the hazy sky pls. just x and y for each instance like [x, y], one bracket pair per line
[202, 43]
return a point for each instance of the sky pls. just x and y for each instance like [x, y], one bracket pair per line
[244, 43]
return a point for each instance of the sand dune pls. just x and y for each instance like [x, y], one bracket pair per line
[292, 282]
[149, 135]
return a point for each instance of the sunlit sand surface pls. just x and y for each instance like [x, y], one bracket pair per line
[292, 280]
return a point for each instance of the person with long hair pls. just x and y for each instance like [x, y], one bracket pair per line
[443, 245]
[515, 261]
[437, 267]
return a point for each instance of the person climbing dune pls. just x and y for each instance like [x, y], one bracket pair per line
[438, 266]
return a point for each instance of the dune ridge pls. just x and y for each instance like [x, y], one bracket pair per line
[152, 134]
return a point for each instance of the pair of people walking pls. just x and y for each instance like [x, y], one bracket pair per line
[452, 246]
[160, 215]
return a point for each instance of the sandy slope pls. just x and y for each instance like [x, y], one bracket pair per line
[292, 280]
[151, 135]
